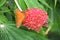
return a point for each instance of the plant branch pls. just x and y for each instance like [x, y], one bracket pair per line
[18, 5]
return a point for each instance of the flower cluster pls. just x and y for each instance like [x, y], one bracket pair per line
[35, 18]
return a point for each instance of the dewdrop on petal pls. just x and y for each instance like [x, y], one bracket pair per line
[35, 18]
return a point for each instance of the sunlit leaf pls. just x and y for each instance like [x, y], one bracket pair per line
[33, 3]
[10, 32]
[2, 2]
[55, 3]
[22, 4]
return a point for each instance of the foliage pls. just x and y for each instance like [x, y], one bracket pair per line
[7, 17]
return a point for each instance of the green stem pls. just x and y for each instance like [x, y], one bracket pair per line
[18, 5]
[47, 30]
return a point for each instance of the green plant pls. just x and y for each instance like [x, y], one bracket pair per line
[8, 30]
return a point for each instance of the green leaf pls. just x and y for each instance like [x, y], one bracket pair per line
[10, 32]
[3, 19]
[8, 14]
[58, 1]
[33, 3]
[2, 2]
[55, 3]
[4, 9]
[22, 4]
[45, 3]
[56, 20]
[11, 5]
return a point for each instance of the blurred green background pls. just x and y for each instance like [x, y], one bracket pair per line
[7, 17]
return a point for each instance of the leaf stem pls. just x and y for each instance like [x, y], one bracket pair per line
[47, 30]
[18, 5]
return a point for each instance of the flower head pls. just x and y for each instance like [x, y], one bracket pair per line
[35, 18]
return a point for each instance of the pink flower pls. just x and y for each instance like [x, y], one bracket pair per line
[35, 18]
